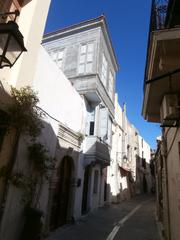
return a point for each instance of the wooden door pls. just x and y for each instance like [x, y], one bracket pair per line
[61, 196]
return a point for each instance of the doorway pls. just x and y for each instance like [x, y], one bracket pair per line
[62, 194]
[84, 208]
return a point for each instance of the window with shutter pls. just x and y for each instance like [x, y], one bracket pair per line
[86, 58]
[109, 138]
[104, 70]
[103, 123]
[111, 84]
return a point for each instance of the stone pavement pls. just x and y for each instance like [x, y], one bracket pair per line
[130, 220]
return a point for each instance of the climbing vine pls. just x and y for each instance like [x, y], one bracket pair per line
[26, 119]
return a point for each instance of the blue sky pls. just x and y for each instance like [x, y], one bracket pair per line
[128, 23]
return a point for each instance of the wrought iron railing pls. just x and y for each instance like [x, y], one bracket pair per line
[158, 14]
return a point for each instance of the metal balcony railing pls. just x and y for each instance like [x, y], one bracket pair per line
[158, 14]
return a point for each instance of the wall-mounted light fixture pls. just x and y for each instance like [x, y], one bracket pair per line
[11, 41]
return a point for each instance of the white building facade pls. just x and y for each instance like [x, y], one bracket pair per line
[130, 159]
[85, 55]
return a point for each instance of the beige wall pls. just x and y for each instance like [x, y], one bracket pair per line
[173, 169]
[31, 23]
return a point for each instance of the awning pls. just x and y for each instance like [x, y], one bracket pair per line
[124, 172]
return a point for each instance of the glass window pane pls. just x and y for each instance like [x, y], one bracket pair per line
[89, 67]
[82, 59]
[83, 49]
[90, 47]
[81, 68]
[90, 57]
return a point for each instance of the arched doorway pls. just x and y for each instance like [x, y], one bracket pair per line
[62, 194]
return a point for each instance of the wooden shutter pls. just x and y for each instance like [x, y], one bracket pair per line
[103, 123]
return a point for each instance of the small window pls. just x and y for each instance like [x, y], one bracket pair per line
[91, 128]
[96, 181]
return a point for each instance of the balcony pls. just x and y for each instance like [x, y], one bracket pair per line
[162, 71]
[96, 151]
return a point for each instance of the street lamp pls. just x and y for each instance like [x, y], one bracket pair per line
[11, 41]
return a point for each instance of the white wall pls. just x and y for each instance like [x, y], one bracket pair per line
[60, 100]
[114, 178]
[57, 95]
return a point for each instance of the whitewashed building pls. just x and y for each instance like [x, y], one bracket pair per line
[130, 159]
[85, 54]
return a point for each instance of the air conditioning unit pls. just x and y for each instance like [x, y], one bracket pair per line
[169, 111]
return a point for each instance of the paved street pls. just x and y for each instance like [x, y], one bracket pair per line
[134, 219]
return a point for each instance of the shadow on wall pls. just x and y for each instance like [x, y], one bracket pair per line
[23, 187]
[144, 182]
[21, 217]
[125, 187]
[63, 186]
[145, 176]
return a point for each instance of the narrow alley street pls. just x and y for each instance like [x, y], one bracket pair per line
[134, 219]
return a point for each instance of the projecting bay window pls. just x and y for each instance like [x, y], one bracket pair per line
[104, 71]
[86, 58]
[111, 85]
